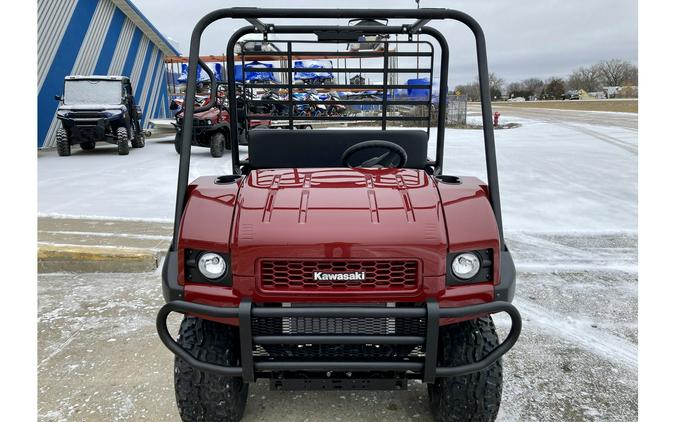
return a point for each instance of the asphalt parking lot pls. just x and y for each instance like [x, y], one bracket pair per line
[569, 190]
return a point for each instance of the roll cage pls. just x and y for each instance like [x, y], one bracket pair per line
[419, 18]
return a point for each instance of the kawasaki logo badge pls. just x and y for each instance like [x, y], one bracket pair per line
[355, 275]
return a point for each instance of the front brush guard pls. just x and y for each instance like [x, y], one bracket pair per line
[428, 370]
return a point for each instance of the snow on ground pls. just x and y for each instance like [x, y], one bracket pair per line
[553, 177]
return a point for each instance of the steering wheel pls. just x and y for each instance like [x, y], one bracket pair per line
[394, 156]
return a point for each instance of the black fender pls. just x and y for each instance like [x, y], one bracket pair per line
[171, 290]
[506, 289]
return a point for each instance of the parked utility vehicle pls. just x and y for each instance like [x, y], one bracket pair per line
[339, 259]
[211, 129]
[98, 109]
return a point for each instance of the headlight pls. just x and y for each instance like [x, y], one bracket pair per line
[211, 265]
[208, 122]
[466, 265]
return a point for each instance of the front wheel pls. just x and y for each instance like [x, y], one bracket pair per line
[122, 141]
[204, 396]
[474, 397]
[217, 144]
[62, 143]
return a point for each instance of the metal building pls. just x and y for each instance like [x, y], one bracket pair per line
[98, 37]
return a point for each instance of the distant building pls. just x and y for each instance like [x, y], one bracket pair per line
[599, 95]
[98, 37]
[628, 91]
[611, 91]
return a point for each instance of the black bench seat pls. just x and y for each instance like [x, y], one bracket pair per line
[302, 148]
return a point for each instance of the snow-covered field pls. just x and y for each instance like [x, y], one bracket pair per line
[569, 196]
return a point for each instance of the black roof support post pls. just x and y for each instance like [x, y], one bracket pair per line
[488, 129]
[232, 95]
[442, 96]
[186, 141]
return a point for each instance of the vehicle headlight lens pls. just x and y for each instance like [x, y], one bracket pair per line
[208, 122]
[211, 265]
[465, 265]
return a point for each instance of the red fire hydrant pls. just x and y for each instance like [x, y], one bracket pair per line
[495, 121]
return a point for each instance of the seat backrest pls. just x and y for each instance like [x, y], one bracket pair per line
[304, 148]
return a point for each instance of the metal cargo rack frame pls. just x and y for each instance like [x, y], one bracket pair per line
[385, 87]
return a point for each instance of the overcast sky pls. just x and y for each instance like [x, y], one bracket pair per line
[526, 38]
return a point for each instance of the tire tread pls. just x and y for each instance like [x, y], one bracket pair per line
[122, 141]
[62, 143]
[203, 396]
[474, 397]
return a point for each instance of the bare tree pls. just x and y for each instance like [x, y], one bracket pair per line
[587, 78]
[618, 72]
[525, 89]
[532, 86]
[514, 89]
[496, 85]
[472, 91]
[554, 89]
[632, 76]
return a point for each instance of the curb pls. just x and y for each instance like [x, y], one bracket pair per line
[93, 259]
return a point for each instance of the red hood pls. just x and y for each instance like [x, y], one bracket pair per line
[290, 213]
[339, 214]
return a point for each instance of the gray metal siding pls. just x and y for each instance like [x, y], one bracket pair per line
[53, 16]
[138, 63]
[122, 48]
[93, 41]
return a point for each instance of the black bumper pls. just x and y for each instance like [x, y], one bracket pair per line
[426, 369]
[199, 132]
[86, 129]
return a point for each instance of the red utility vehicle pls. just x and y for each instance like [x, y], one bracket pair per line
[211, 127]
[340, 259]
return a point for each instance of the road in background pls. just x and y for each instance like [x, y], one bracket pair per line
[597, 118]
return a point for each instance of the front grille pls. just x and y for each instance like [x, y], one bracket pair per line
[379, 275]
[336, 326]
[318, 326]
[87, 115]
